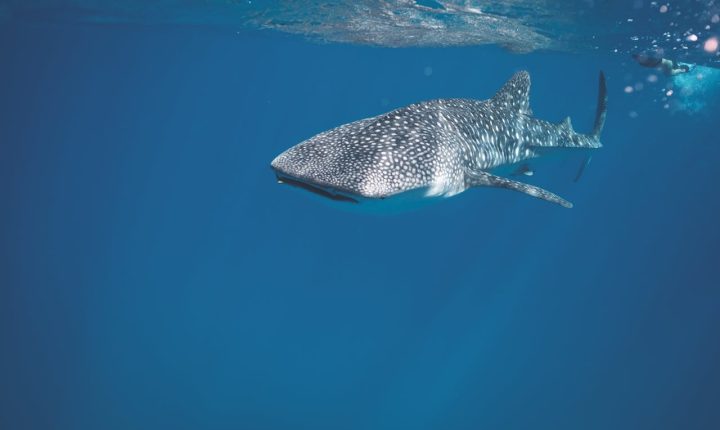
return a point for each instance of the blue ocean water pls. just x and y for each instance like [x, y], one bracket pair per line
[155, 275]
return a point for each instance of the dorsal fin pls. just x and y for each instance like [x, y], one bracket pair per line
[515, 94]
[567, 124]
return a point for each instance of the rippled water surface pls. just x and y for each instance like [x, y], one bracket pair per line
[520, 26]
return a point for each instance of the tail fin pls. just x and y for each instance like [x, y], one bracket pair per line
[600, 114]
[601, 108]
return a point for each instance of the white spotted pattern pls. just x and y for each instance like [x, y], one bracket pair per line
[429, 145]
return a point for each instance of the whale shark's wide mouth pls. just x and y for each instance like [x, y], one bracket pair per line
[316, 189]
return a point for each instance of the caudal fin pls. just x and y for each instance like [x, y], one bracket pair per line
[601, 111]
[600, 114]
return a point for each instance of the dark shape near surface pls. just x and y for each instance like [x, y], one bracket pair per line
[666, 66]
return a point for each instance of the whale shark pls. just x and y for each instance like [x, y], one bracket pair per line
[438, 149]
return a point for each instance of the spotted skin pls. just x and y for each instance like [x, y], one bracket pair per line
[441, 146]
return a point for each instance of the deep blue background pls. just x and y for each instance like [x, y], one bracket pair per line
[153, 274]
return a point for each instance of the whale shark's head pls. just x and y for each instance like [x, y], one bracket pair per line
[295, 167]
[343, 179]
[322, 170]
[367, 159]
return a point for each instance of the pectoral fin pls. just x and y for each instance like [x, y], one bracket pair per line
[485, 179]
